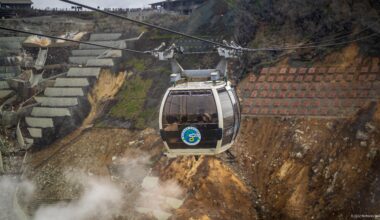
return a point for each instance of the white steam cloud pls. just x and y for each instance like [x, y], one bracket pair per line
[161, 197]
[101, 200]
[9, 186]
[131, 191]
[133, 170]
[154, 198]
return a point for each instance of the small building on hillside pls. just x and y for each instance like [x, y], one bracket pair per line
[15, 4]
[182, 6]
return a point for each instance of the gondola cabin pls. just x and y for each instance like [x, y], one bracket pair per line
[199, 118]
[200, 113]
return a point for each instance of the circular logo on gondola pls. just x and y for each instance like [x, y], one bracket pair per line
[191, 136]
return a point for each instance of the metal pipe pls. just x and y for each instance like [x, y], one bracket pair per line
[202, 73]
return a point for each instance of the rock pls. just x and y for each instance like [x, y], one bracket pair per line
[103, 149]
[369, 127]
[148, 131]
[330, 190]
[327, 173]
[330, 125]
[305, 147]
[361, 135]
[363, 143]
[372, 153]
[315, 169]
[299, 155]
[373, 143]
[150, 182]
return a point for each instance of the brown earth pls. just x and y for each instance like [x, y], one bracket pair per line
[286, 168]
[214, 190]
[307, 168]
[106, 88]
[313, 168]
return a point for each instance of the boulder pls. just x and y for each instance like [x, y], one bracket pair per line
[363, 143]
[369, 127]
[361, 135]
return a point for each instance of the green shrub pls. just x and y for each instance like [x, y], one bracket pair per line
[131, 102]
[137, 64]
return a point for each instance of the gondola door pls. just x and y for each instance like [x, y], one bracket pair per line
[189, 120]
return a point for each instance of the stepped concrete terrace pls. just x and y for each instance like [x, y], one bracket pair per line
[5, 90]
[88, 55]
[10, 47]
[7, 72]
[12, 44]
[105, 36]
[62, 107]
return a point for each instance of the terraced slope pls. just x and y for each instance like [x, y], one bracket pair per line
[63, 107]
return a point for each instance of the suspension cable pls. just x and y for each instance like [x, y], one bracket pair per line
[338, 37]
[310, 46]
[293, 47]
[74, 41]
[333, 39]
[147, 24]
[199, 52]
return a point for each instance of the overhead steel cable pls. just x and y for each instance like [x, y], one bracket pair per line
[331, 39]
[293, 47]
[338, 37]
[74, 41]
[311, 46]
[148, 24]
[199, 52]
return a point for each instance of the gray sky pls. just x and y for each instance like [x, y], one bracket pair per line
[102, 3]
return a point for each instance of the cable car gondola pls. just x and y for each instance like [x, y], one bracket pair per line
[199, 117]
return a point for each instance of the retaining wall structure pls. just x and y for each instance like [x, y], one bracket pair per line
[88, 55]
[316, 91]
[63, 107]
[10, 47]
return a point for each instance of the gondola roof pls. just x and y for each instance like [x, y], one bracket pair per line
[199, 85]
